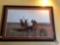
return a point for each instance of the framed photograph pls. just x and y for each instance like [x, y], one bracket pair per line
[28, 23]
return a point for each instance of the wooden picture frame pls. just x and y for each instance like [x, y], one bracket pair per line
[28, 23]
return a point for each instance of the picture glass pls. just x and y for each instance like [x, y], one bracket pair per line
[28, 23]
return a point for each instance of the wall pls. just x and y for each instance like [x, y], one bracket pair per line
[54, 3]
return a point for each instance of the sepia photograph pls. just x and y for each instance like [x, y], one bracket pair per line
[28, 23]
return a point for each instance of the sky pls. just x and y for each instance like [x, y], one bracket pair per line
[41, 16]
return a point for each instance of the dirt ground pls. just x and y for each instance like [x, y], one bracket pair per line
[12, 30]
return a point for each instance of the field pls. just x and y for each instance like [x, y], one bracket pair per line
[13, 29]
